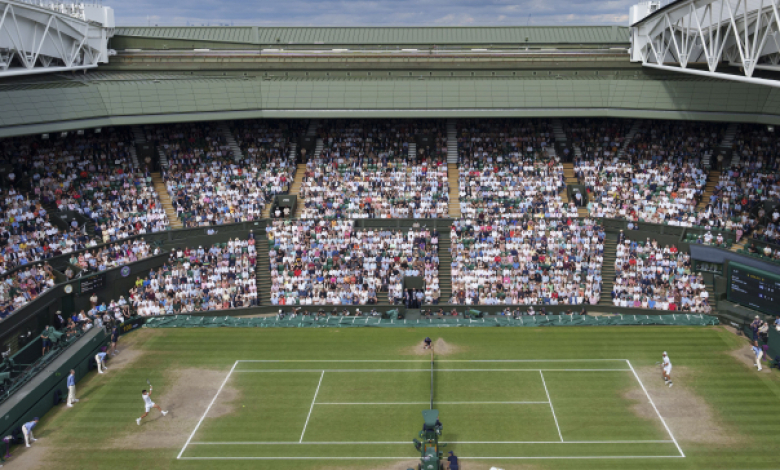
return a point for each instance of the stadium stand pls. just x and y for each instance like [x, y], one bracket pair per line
[330, 262]
[28, 234]
[24, 286]
[657, 278]
[92, 174]
[113, 255]
[365, 170]
[196, 279]
[526, 262]
[208, 186]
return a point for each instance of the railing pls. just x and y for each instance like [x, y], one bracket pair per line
[32, 369]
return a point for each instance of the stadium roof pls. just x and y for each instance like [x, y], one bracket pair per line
[166, 74]
[382, 36]
[50, 104]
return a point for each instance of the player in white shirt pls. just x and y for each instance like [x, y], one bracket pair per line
[149, 404]
[667, 369]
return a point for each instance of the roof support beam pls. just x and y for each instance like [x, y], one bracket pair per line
[724, 76]
[686, 32]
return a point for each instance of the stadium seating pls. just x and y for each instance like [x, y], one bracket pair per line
[365, 171]
[658, 278]
[196, 279]
[208, 186]
[330, 262]
[502, 261]
[92, 174]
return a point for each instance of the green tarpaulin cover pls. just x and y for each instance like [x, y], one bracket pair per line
[187, 321]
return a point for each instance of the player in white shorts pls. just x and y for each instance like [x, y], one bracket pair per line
[149, 404]
[667, 369]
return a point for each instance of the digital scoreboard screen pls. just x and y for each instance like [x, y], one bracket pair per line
[93, 283]
[754, 288]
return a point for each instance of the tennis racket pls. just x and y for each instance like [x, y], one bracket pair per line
[149, 383]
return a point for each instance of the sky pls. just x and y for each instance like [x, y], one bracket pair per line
[370, 13]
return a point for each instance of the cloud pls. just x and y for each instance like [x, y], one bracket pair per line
[370, 12]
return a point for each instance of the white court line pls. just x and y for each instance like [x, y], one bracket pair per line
[442, 403]
[443, 442]
[207, 411]
[590, 457]
[437, 370]
[682, 454]
[312, 405]
[551, 405]
[426, 361]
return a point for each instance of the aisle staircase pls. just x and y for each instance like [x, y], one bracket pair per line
[569, 177]
[163, 158]
[726, 145]
[452, 142]
[558, 133]
[412, 150]
[292, 151]
[608, 271]
[561, 142]
[314, 124]
[138, 138]
[709, 188]
[710, 288]
[452, 180]
[262, 269]
[165, 198]
[231, 140]
[445, 266]
[295, 188]
[630, 137]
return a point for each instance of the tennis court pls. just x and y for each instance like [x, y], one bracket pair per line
[490, 409]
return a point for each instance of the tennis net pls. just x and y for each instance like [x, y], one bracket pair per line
[431, 377]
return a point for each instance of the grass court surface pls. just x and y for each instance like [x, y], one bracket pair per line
[543, 398]
[491, 408]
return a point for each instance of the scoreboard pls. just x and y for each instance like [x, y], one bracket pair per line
[93, 283]
[754, 288]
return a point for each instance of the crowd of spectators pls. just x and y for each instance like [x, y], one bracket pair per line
[738, 202]
[526, 138]
[649, 190]
[330, 262]
[526, 261]
[27, 235]
[266, 140]
[661, 140]
[657, 278]
[199, 279]
[508, 186]
[111, 256]
[209, 186]
[365, 171]
[597, 138]
[91, 173]
[24, 286]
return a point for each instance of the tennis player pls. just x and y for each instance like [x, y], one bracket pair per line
[149, 404]
[667, 369]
